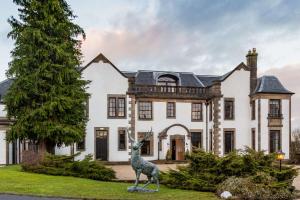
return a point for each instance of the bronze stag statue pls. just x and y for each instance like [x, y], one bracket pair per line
[141, 166]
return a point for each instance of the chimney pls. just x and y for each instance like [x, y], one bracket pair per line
[252, 64]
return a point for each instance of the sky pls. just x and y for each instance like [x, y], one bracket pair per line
[200, 36]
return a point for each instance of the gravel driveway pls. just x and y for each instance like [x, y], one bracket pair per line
[125, 172]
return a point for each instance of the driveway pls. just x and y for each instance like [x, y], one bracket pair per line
[17, 197]
[126, 173]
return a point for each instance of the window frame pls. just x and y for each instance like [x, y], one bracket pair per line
[83, 142]
[233, 108]
[210, 111]
[174, 110]
[139, 110]
[116, 107]
[275, 115]
[233, 140]
[201, 112]
[253, 138]
[279, 141]
[211, 140]
[125, 142]
[140, 136]
[253, 110]
[200, 132]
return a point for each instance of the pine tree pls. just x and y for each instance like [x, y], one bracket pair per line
[46, 101]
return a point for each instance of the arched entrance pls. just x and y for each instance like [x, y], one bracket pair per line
[176, 140]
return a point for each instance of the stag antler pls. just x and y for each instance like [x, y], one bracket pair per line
[129, 136]
[147, 135]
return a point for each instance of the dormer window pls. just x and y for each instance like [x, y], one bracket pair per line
[168, 83]
[167, 80]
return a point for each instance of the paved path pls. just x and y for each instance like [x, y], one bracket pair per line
[125, 172]
[16, 197]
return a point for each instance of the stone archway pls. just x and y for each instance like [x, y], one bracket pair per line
[175, 139]
[164, 133]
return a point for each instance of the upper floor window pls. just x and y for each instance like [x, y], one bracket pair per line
[253, 110]
[145, 110]
[197, 112]
[229, 109]
[274, 108]
[171, 110]
[116, 107]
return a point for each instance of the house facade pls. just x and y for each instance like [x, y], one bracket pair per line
[183, 109]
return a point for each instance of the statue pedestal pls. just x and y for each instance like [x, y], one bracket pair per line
[139, 189]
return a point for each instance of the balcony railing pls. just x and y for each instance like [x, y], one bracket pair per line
[169, 91]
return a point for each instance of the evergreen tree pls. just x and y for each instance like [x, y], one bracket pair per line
[46, 101]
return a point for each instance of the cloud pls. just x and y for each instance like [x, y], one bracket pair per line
[199, 36]
[289, 77]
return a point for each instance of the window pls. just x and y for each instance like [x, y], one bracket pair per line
[275, 108]
[81, 144]
[116, 107]
[228, 141]
[171, 110]
[196, 139]
[229, 109]
[147, 147]
[210, 140]
[122, 139]
[210, 111]
[167, 80]
[145, 110]
[253, 138]
[197, 112]
[275, 141]
[253, 110]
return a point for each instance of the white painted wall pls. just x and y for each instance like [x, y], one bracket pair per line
[160, 122]
[2, 111]
[105, 80]
[237, 86]
[2, 147]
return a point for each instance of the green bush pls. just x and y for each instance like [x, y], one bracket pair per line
[206, 171]
[65, 166]
[247, 188]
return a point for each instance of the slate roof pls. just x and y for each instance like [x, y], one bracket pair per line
[270, 84]
[4, 86]
[186, 79]
[208, 80]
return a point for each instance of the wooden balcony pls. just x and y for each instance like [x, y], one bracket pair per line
[161, 91]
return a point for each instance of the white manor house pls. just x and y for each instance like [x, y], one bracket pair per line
[184, 110]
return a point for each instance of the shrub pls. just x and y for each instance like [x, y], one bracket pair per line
[168, 155]
[207, 170]
[65, 166]
[247, 188]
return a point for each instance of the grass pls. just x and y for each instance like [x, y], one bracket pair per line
[14, 181]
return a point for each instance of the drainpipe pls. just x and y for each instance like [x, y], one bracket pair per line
[206, 128]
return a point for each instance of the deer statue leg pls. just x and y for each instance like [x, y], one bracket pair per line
[137, 173]
[155, 176]
[149, 181]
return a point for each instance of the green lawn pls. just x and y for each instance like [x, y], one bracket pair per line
[12, 180]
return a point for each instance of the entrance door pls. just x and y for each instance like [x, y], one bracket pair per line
[177, 147]
[101, 144]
